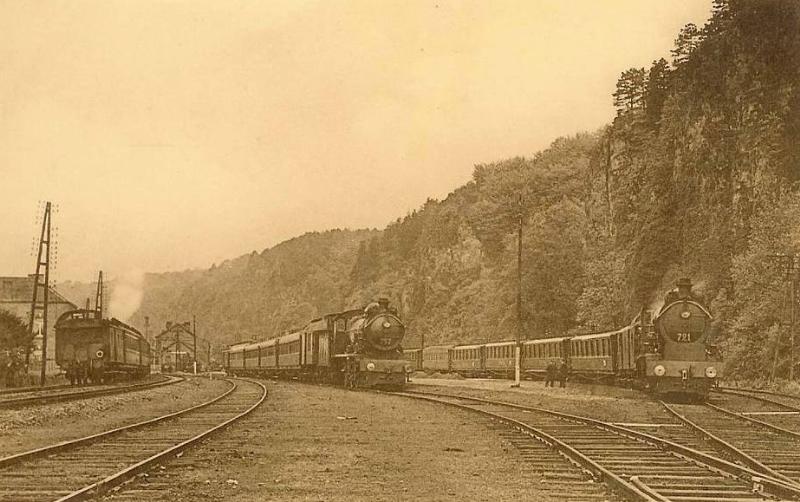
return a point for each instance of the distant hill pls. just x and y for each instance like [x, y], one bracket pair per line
[258, 294]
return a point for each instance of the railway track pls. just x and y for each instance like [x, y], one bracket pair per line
[635, 464]
[763, 437]
[20, 390]
[89, 466]
[61, 393]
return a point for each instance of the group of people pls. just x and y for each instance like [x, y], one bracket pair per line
[556, 371]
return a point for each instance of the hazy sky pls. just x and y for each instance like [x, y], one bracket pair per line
[175, 134]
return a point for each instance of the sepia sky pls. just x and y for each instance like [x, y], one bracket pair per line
[175, 134]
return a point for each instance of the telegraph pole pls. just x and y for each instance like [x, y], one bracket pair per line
[789, 267]
[792, 300]
[98, 297]
[43, 254]
[517, 351]
[194, 338]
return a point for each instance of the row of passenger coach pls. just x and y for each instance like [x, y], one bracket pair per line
[260, 357]
[601, 355]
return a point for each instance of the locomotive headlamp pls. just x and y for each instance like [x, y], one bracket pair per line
[99, 354]
[370, 366]
[711, 372]
[686, 314]
[659, 370]
[387, 325]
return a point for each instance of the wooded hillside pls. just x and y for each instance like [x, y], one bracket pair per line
[696, 176]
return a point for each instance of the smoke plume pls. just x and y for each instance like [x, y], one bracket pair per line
[127, 294]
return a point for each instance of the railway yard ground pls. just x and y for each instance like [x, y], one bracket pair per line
[317, 443]
[35, 426]
[322, 443]
[603, 402]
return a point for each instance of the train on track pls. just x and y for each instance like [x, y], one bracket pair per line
[91, 349]
[671, 352]
[354, 348]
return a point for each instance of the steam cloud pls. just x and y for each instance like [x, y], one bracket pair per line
[126, 297]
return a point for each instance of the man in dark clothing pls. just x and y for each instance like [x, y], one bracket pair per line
[550, 374]
[563, 372]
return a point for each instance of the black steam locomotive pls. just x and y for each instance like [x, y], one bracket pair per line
[670, 352]
[92, 349]
[354, 348]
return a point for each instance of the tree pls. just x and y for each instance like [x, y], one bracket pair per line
[657, 90]
[686, 43]
[14, 333]
[630, 90]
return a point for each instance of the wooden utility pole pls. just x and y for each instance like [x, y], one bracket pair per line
[194, 338]
[518, 347]
[789, 266]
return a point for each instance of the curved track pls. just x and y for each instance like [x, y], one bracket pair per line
[85, 467]
[62, 393]
[637, 465]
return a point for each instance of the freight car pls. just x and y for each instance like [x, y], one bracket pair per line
[92, 349]
[354, 348]
[671, 352]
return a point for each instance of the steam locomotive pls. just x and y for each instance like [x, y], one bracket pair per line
[92, 349]
[354, 348]
[671, 352]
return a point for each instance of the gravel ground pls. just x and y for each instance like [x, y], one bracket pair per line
[35, 426]
[603, 402]
[323, 443]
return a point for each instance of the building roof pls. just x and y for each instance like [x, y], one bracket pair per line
[20, 290]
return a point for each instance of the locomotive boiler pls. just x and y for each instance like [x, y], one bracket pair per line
[681, 356]
[373, 356]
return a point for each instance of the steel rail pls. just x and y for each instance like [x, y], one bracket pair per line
[758, 480]
[21, 390]
[76, 394]
[749, 393]
[756, 391]
[728, 447]
[597, 471]
[97, 487]
[115, 479]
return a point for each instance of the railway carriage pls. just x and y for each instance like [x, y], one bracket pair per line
[500, 358]
[468, 360]
[436, 358]
[288, 350]
[90, 348]
[414, 356]
[593, 355]
[537, 354]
